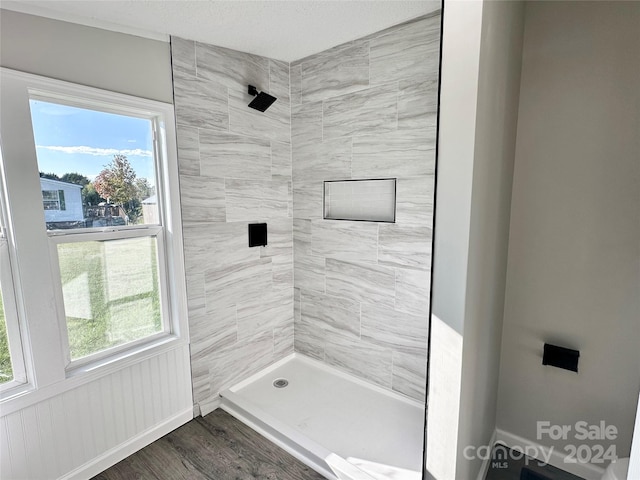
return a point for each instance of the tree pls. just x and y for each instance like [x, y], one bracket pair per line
[89, 195]
[75, 177]
[50, 176]
[116, 182]
[144, 188]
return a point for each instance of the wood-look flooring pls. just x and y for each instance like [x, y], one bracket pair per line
[217, 447]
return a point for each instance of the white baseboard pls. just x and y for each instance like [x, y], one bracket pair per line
[122, 451]
[587, 471]
[485, 464]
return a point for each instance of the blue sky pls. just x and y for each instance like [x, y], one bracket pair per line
[70, 139]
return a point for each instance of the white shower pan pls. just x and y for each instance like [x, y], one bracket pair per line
[337, 424]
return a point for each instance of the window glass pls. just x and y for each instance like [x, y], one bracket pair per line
[97, 169]
[6, 371]
[111, 293]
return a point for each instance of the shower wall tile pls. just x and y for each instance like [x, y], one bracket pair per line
[404, 246]
[398, 331]
[281, 159]
[188, 150]
[412, 291]
[335, 316]
[414, 200]
[236, 167]
[231, 68]
[360, 281]
[370, 111]
[226, 155]
[199, 103]
[366, 109]
[342, 240]
[417, 105]
[329, 160]
[363, 359]
[202, 199]
[393, 154]
[295, 74]
[337, 71]
[409, 51]
[409, 375]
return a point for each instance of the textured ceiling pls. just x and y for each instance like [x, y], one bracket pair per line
[285, 30]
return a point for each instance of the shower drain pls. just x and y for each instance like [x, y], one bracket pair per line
[280, 382]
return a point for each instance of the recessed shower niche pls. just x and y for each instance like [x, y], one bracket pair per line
[372, 200]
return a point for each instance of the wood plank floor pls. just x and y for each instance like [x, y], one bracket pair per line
[217, 447]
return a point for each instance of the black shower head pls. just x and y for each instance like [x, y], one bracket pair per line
[262, 101]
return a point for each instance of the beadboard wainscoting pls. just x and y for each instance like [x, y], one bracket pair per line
[235, 169]
[366, 109]
[80, 432]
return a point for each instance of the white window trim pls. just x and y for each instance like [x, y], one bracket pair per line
[50, 369]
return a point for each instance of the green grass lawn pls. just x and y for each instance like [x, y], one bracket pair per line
[110, 293]
[6, 372]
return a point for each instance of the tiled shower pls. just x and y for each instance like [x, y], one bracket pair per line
[354, 295]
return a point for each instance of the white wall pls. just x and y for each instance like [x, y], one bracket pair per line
[85, 55]
[75, 426]
[573, 270]
[479, 98]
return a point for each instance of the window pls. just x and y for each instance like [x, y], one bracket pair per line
[105, 270]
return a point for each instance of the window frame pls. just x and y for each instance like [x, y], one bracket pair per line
[51, 363]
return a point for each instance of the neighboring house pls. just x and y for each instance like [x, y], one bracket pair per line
[62, 201]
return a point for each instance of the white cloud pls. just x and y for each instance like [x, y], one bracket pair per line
[99, 152]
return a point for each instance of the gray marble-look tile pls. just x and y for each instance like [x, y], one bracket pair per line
[200, 103]
[283, 341]
[211, 332]
[256, 200]
[367, 112]
[183, 55]
[339, 70]
[188, 150]
[281, 159]
[273, 124]
[282, 266]
[309, 272]
[195, 295]
[309, 339]
[307, 199]
[336, 316]
[227, 155]
[414, 200]
[200, 381]
[394, 154]
[231, 68]
[216, 244]
[360, 282]
[408, 51]
[296, 304]
[296, 84]
[202, 199]
[306, 123]
[404, 246]
[302, 236]
[328, 160]
[362, 359]
[237, 362]
[232, 283]
[279, 238]
[410, 375]
[279, 80]
[417, 104]
[412, 291]
[262, 313]
[343, 240]
[399, 331]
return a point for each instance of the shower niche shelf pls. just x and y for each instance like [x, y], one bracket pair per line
[367, 200]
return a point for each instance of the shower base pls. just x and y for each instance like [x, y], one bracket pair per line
[323, 412]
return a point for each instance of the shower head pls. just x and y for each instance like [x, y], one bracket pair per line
[262, 101]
